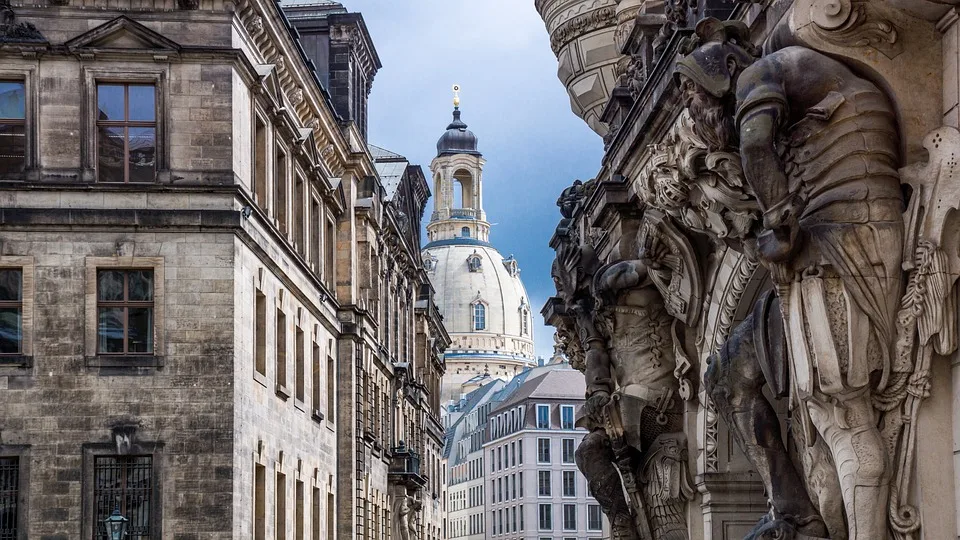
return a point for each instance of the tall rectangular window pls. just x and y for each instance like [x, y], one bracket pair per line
[126, 132]
[546, 517]
[594, 517]
[514, 491]
[520, 479]
[330, 255]
[521, 517]
[124, 482]
[331, 508]
[298, 522]
[281, 359]
[13, 128]
[569, 483]
[315, 220]
[125, 311]
[331, 388]
[315, 515]
[280, 190]
[260, 163]
[566, 417]
[260, 333]
[568, 451]
[543, 417]
[543, 484]
[317, 379]
[10, 498]
[11, 309]
[300, 375]
[299, 205]
[520, 452]
[569, 517]
[543, 450]
[259, 502]
[280, 507]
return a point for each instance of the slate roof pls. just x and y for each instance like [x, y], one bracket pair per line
[468, 404]
[553, 381]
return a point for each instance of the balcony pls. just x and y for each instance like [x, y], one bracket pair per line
[405, 468]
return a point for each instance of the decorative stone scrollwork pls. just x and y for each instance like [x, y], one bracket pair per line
[850, 23]
[582, 24]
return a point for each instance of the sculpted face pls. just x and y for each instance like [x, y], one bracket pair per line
[712, 117]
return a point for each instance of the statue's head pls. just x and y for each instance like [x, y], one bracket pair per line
[713, 59]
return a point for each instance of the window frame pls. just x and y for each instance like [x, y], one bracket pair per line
[563, 450]
[24, 358]
[88, 144]
[573, 417]
[91, 330]
[549, 457]
[126, 304]
[90, 451]
[22, 453]
[541, 407]
[126, 124]
[31, 113]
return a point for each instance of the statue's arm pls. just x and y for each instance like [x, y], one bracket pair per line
[762, 166]
[597, 369]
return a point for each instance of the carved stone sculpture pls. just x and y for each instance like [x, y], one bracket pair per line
[633, 411]
[405, 508]
[819, 149]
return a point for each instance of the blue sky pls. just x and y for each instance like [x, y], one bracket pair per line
[499, 53]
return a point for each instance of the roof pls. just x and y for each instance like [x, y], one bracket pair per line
[382, 153]
[467, 404]
[553, 381]
[390, 167]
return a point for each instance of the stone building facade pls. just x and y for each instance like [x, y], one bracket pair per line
[191, 330]
[701, 259]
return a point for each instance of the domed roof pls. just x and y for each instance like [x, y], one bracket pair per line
[457, 139]
[466, 271]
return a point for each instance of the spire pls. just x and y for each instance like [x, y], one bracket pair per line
[456, 96]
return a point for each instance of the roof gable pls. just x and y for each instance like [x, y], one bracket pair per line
[122, 33]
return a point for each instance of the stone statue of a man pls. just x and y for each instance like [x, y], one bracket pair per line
[819, 148]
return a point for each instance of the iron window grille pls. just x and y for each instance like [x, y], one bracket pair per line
[124, 482]
[9, 498]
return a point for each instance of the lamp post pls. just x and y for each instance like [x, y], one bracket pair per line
[116, 525]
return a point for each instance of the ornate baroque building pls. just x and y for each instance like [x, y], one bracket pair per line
[759, 283]
[214, 318]
[483, 302]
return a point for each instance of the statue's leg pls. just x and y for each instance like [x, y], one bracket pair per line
[595, 460]
[734, 380]
[849, 428]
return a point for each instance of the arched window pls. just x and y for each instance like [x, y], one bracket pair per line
[465, 232]
[525, 316]
[479, 316]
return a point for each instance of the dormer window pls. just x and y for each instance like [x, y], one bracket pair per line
[474, 262]
[430, 264]
[512, 267]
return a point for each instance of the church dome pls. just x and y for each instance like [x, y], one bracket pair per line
[457, 139]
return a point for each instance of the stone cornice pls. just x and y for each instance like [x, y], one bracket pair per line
[582, 24]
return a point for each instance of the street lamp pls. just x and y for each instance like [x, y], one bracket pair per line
[116, 525]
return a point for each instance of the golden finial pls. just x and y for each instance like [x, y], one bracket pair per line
[456, 95]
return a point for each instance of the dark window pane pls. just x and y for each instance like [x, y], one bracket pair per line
[110, 285]
[125, 483]
[9, 497]
[110, 330]
[11, 284]
[143, 152]
[140, 330]
[142, 103]
[12, 147]
[110, 154]
[11, 335]
[12, 100]
[110, 102]
[141, 285]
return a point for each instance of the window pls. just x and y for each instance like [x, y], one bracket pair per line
[280, 190]
[125, 311]
[569, 517]
[298, 522]
[260, 333]
[566, 417]
[546, 517]
[479, 316]
[260, 162]
[331, 509]
[11, 308]
[520, 452]
[10, 526]
[124, 482]
[315, 515]
[330, 243]
[543, 483]
[315, 221]
[300, 376]
[465, 232]
[594, 520]
[568, 450]
[569, 484]
[13, 128]
[513, 454]
[543, 417]
[331, 390]
[281, 359]
[299, 208]
[514, 520]
[521, 514]
[126, 132]
[260, 502]
[543, 450]
[280, 507]
[520, 479]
